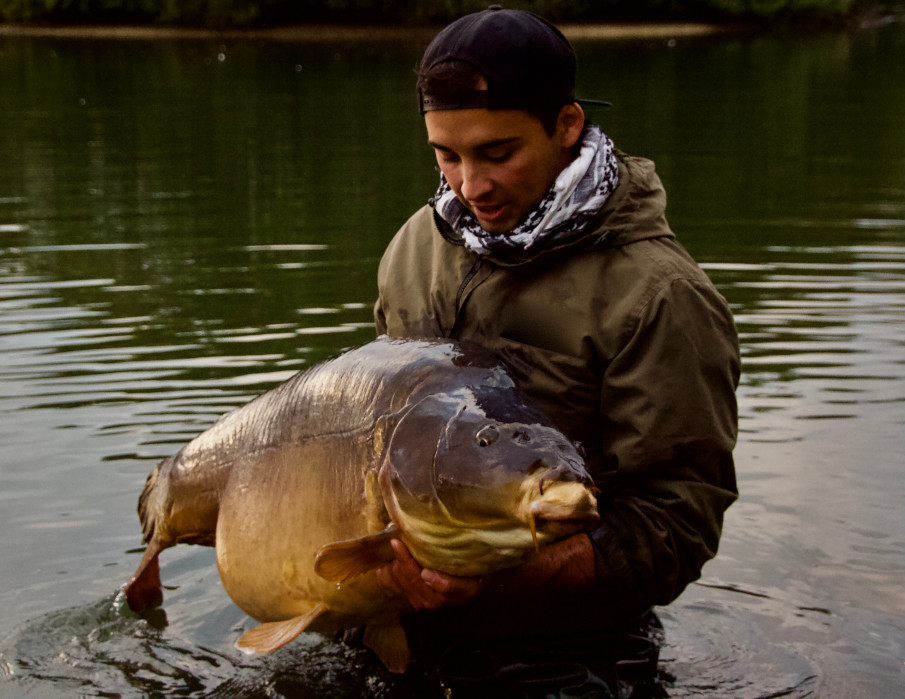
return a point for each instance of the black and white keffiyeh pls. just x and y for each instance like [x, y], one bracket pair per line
[578, 193]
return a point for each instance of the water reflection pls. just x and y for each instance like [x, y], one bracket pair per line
[180, 233]
[826, 336]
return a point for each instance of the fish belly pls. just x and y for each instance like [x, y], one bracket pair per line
[277, 511]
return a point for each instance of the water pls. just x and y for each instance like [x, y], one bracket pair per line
[184, 224]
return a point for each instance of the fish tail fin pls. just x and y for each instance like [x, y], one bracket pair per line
[144, 591]
[275, 634]
[390, 645]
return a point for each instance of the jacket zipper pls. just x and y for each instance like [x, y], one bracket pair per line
[460, 295]
[478, 265]
[475, 268]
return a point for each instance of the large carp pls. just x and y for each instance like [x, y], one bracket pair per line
[302, 489]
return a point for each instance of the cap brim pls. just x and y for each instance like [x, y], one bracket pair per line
[593, 103]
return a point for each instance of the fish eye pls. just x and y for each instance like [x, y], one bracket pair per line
[487, 435]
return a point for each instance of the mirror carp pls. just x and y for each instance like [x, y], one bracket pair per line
[302, 489]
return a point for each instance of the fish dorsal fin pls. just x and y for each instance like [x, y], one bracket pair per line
[390, 645]
[342, 560]
[276, 634]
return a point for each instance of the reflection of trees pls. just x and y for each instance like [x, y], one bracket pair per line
[812, 128]
[188, 153]
[194, 150]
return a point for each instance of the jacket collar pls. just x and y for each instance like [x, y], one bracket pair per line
[635, 211]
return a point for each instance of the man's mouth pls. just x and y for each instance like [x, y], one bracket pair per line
[489, 213]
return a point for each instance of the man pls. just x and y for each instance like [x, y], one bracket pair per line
[547, 245]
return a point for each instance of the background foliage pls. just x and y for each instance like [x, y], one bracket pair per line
[226, 13]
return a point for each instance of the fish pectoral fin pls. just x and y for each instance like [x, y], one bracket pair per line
[275, 634]
[345, 559]
[390, 645]
[144, 591]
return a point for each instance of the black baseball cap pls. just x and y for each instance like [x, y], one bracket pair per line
[526, 61]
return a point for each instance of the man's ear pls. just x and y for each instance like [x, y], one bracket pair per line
[570, 124]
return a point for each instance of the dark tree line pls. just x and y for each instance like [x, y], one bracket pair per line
[253, 13]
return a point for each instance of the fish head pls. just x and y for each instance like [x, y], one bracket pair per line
[480, 478]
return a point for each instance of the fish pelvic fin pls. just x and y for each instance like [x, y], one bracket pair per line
[342, 560]
[390, 645]
[144, 591]
[275, 634]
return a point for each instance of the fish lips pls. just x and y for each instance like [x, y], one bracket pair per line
[558, 510]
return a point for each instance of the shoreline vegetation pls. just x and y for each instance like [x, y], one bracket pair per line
[356, 33]
[369, 20]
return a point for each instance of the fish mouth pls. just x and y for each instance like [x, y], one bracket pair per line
[564, 507]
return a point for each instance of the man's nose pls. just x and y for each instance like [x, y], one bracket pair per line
[475, 182]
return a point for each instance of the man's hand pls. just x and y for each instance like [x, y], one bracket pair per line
[564, 565]
[425, 588]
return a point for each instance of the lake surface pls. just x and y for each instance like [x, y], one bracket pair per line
[186, 223]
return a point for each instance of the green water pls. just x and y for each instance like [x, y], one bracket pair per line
[184, 224]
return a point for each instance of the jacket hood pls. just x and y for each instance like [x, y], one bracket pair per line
[635, 211]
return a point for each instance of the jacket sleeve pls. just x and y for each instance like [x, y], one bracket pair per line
[380, 318]
[669, 423]
[380, 321]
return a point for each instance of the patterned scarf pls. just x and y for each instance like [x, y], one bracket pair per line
[578, 193]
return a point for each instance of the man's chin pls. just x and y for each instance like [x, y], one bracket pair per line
[495, 226]
[494, 221]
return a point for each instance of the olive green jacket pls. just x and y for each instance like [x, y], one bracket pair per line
[629, 348]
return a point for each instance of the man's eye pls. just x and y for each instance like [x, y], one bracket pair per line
[499, 157]
[445, 156]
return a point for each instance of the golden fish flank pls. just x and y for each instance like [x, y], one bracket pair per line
[305, 486]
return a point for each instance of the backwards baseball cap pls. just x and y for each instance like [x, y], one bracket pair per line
[526, 61]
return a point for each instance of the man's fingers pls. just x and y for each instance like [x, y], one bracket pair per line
[403, 577]
[435, 580]
[403, 555]
[387, 580]
[422, 587]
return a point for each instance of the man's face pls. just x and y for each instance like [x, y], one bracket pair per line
[500, 163]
